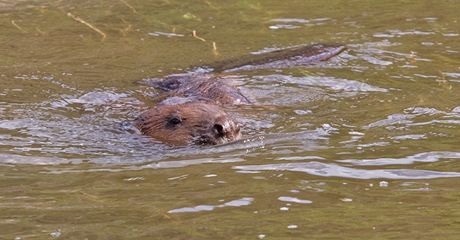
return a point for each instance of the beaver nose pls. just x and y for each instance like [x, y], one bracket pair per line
[225, 131]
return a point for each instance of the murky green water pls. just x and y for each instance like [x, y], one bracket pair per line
[365, 146]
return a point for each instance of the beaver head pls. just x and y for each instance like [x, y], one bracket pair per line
[188, 123]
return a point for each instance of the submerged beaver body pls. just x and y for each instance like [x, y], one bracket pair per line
[191, 109]
[202, 87]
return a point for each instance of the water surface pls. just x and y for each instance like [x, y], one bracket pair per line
[364, 146]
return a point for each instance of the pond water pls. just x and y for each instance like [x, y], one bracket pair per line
[364, 146]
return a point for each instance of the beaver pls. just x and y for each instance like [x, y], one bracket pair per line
[190, 109]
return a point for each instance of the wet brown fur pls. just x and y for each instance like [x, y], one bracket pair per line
[189, 112]
[199, 124]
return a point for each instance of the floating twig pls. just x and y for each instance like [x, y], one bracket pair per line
[40, 31]
[214, 48]
[125, 30]
[18, 27]
[197, 37]
[129, 6]
[78, 19]
[211, 5]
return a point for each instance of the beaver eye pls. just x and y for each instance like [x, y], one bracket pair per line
[174, 120]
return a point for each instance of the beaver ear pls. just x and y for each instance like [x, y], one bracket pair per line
[166, 84]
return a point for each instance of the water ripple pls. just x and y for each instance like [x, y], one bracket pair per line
[420, 157]
[200, 208]
[333, 170]
[333, 83]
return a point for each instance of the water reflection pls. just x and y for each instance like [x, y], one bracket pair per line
[294, 200]
[408, 118]
[235, 203]
[329, 82]
[387, 108]
[334, 170]
[293, 23]
[420, 157]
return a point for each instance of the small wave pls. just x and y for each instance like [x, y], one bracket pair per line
[200, 208]
[333, 170]
[337, 84]
[409, 116]
[165, 34]
[399, 33]
[294, 200]
[283, 26]
[420, 157]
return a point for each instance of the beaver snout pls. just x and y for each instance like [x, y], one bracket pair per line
[226, 130]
